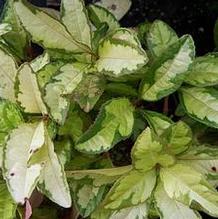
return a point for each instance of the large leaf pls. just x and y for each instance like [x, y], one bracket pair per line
[184, 184]
[8, 71]
[117, 7]
[61, 85]
[170, 208]
[168, 71]
[133, 189]
[177, 138]
[99, 15]
[157, 121]
[10, 118]
[7, 205]
[16, 39]
[89, 91]
[75, 18]
[89, 186]
[53, 182]
[28, 93]
[147, 152]
[114, 123]
[46, 30]
[203, 72]
[23, 142]
[160, 37]
[119, 57]
[201, 104]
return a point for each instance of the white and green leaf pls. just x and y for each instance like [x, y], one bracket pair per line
[168, 71]
[27, 91]
[160, 37]
[22, 143]
[113, 124]
[5, 28]
[201, 104]
[75, 18]
[40, 62]
[61, 86]
[184, 184]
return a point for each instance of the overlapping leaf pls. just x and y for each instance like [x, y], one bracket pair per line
[114, 123]
[168, 71]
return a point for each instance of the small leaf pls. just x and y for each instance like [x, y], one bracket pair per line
[160, 37]
[99, 15]
[168, 71]
[29, 95]
[46, 30]
[61, 85]
[5, 28]
[117, 7]
[177, 138]
[201, 104]
[89, 91]
[203, 72]
[53, 182]
[8, 71]
[157, 121]
[114, 123]
[23, 142]
[147, 152]
[40, 62]
[118, 57]
[132, 189]
[170, 208]
[7, 205]
[184, 184]
[75, 18]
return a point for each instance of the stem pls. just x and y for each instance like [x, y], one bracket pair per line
[166, 105]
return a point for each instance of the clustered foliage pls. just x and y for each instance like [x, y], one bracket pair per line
[94, 86]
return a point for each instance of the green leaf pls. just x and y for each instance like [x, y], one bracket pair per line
[7, 205]
[99, 15]
[5, 28]
[203, 72]
[16, 39]
[117, 7]
[22, 143]
[89, 91]
[157, 121]
[177, 138]
[170, 208]
[61, 85]
[53, 182]
[160, 37]
[204, 160]
[40, 62]
[119, 57]
[28, 93]
[168, 71]
[113, 124]
[186, 185]
[46, 30]
[133, 189]
[75, 18]
[201, 104]
[147, 152]
[8, 71]
[10, 118]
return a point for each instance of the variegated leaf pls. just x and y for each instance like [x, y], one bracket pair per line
[75, 18]
[28, 93]
[132, 189]
[5, 28]
[168, 71]
[61, 85]
[23, 142]
[8, 71]
[184, 184]
[201, 104]
[114, 123]
[89, 91]
[160, 37]
[40, 62]
[147, 152]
